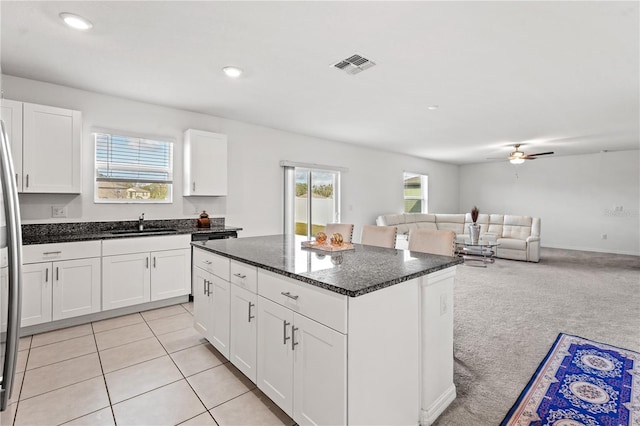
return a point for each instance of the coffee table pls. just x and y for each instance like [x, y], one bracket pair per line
[481, 252]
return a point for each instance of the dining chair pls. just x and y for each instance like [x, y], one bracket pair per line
[433, 242]
[346, 229]
[381, 236]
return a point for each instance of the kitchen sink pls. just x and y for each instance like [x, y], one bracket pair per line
[154, 231]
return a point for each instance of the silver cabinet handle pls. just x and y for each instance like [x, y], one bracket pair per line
[51, 252]
[204, 287]
[16, 179]
[284, 332]
[209, 288]
[57, 274]
[239, 275]
[154, 261]
[46, 275]
[27, 180]
[293, 338]
[194, 186]
[206, 262]
[289, 295]
[147, 263]
[251, 316]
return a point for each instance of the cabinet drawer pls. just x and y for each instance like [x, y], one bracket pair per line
[217, 265]
[245, 276]
[128, 245]
[324, 306]
[34, 253]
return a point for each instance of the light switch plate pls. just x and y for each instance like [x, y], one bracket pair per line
[58, 211]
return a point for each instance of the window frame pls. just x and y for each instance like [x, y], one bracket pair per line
[424, 191]
[140, 168]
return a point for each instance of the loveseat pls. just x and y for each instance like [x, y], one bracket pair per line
[518, 236]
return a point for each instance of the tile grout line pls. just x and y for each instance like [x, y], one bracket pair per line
[104, 379]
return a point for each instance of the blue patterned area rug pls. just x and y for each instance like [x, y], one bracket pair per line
[581, 383]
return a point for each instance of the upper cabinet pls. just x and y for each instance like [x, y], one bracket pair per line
[12, 117]
[205, 163]
[46, 147]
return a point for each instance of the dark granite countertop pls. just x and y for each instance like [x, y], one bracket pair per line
[351, 272]
[87, 231]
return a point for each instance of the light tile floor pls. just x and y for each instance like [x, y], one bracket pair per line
[150, 368]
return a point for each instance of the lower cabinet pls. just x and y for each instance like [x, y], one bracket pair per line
[302, 365]
[243, 331]
[211, 299]
[59, 290]
[141, 270]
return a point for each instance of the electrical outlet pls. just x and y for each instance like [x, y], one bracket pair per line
[444, 306]
[604, 236]
[58, 211]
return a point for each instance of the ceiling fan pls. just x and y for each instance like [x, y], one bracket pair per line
[518, 157]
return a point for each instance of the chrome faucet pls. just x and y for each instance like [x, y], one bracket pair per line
[140, 222]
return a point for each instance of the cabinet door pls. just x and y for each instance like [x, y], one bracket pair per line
[242, 345]
[11, 114]
[220, 294]
[275, 359]
[36, 293]
[76, 287]
[205, 163]
[202, 310]
[51, 149]
[170, 273]
[319, 373]
[125, 280]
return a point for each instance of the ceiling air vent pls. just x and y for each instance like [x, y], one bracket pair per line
[354, 64]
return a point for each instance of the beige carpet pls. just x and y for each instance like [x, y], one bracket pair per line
[507, 316]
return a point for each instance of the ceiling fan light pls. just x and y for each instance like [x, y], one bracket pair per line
[517, 160]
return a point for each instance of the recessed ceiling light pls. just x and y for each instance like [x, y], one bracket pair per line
[233, 72]
[433, 107]
[75, 21]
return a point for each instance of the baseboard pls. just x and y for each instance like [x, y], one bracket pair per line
[84, 319]
[429, 415]
[596, 250]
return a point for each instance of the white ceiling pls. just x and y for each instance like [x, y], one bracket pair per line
[555, 76]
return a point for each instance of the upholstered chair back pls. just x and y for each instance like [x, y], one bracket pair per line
[381, 236]
[346, 229]
[433, 242]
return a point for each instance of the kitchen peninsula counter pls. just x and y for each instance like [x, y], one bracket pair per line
[356, 337]
[350, 272]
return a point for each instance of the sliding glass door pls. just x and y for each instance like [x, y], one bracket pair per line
[312, 199]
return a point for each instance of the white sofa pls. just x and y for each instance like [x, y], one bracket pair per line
[518, 236]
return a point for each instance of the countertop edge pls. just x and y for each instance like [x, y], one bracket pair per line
[330, 287]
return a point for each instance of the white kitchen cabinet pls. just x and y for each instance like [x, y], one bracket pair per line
[170, 273]
[302, 365]
[205, 163]
[126, 280]
[220, 292]
[60, 281]
[36, 294]
[76, 287]
[202, 311]
[212, 298]
[243, 331]
[51, 148]
[11, 114]
[139, 270]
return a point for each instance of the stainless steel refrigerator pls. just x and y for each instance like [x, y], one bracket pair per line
[10, 271]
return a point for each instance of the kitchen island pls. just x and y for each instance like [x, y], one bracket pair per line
[362, 336]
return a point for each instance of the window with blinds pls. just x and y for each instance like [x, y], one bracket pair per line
[133, 170]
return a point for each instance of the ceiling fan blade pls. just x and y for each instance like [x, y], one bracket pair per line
[541, 153]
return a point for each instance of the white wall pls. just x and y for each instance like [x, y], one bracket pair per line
[372, 186]
[575, 196]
